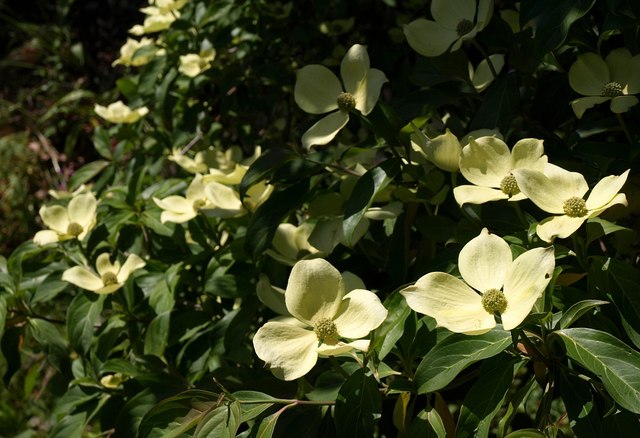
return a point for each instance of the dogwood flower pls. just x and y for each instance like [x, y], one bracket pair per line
[489, 165]
[322, 314]
[110, 277]
[318, 91]
[156, 19]
[455, 21]
[71, 222]
[193, 64]
[179, 209]
[561, 192]
[612, 79]
[291, 243]
[129, 49]
[492, 283]
[118, 112]
[481, 77]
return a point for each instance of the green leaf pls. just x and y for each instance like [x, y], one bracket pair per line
[526, 433]
[265, 221]
[427, 424]
[264, 165]
[70, 426]
[576, 311]
[268, 425]
[443, 363]
[82, 316]
[551, 20]
[615, 363]
[250, 405]
[48, 289]
[392, 328]
[51, 340]
[581, 406]
[368, 186]
[176, 415]
[358, 405]
[87, 172]
[222, 422]
[155, 340]
[486, 396]
[598, 227]
[102, 142]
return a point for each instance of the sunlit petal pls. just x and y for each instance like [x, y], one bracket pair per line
[485, 261]
[325, 129]
[316, 89]
[558, 226]
[428, 38]
[368, 93]
[82, 277]
[45, 237]
[360, 312]
[55, 217]
[133, 263]
[477, 195]
[104, 265]
[354, 67]
[606, 189]
[528, 153]
[485, 161]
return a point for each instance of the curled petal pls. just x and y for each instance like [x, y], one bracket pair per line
[104, 265]
[589, 74]
[606, 189]
[528, 153]
[288, 350]
[620, 198]
[477, 195]
[354, 68]
[485, 161]
[224, 200]
[317, 89]
[325, 129]
[429, 38]
[314, 291]
[360, 312]
[528, 277]
[453, 304]
[133, 263]
[82, 277]
[622, 104]
[558, 226]
[45, 237]
[485, 261]
[368, 93]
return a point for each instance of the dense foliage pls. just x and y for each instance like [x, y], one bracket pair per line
[362, 218]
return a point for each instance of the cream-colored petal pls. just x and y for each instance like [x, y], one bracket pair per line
[452, 303]
[551, 189]
[485, 12]
[225, 177]
[622, 104]
[620, 198]
[45, 237]
[109, 289]
[133, 263]
[482, 77]
[223, 197]
[354, 68]
[271, 296]
[528, 153]
[525, 282]
[177, 217]
[82, 210]
[325, 129]
[633, 84]
[285, 241]
[352, 281]
[342, 347]
[360, 312]
[558, 226]
[104, 265]
[444, 151]
[314, 291]
[289, 351]
[606, 189]
[428, 38]
[484, 261]
[449, 13]
[618, 63]
[589, 74]
[82, 277]
[582, 104]
[467, 194]
[317, 89]
[55, 217]
[368, 93]
[485, 161]
[174, 203]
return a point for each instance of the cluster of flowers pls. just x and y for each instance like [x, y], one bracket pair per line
[324, 312]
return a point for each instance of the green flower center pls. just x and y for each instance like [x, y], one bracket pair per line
[109, 278]
[346, 101]
[509, 185]
[325, 330]
[612, 89]
[575, 207]
[74, 229]
[198, 204]
[494, 301]
[464, 27]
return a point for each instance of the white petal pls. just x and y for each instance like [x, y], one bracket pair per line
[82, 277]
[558, 226]
[485, 161]
[223, 197]
[606, 189]
[528, 277]
[325, 129]
[429, 38]
[477, 195]
[620, 198]
[354, 67]
[55, 217]
[368, 93]
[485, 261]
[360, 312]
[45, 237]
[343, 347]
[551, 189]
[450, 302]
[289, 351]
[133, 263]
[528, 153]
[314, 291]
[317, 89]
[104, 265]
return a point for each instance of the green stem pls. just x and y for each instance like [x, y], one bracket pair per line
[486, 57]
[523, 220]
[625, 128]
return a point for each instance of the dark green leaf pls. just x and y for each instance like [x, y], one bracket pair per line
[86, 173]
[385, 337]
[581, 406]
[222, 422]
[155, 340]
[358, 406]
[51, 340]
[598, 227]
[499, 104]
[443, 363]
[82, 316]
[615, 363]
[576, 311]
[264, 165]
